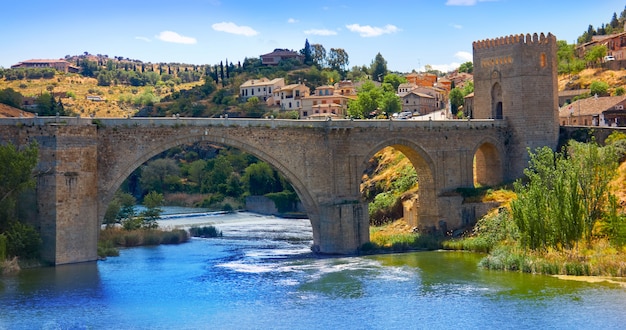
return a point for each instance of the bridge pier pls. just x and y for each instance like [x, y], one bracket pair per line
[66, 192]
[342, 227]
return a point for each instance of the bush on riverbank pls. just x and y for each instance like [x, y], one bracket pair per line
[112, 238]
[205, 232]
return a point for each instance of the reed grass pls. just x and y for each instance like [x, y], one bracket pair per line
[112, 238]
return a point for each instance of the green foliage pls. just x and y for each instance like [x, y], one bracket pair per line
[456, 99]
[16, 176]
[619, 91]
[565, 196]
[11, 98]
[23, 241]
[3, 247]
[154, 175]
[259, 179]
[378, 69]
[153, 202]
[596, 54]
[599, 88]
[467, 67]
[205, 232]
[285, 200]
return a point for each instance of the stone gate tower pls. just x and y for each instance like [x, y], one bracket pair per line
[515, 79]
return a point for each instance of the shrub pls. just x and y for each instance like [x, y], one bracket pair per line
[205, 232]
[23, 241]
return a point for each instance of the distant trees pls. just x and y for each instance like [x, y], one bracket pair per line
[307, 53]
[338, 60]
[467, 67]
[318, 55]
[11, 98]
[378, 68]
[374, 101]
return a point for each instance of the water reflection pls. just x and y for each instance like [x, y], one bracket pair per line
[262, 275]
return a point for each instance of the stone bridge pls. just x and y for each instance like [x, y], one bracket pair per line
[84, 161]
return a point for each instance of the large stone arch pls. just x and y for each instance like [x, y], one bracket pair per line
[488, 163]
[131, 164]
[426, 217]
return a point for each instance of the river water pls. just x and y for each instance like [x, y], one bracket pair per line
[262, 275]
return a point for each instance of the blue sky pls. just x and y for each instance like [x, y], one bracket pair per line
[408, 34]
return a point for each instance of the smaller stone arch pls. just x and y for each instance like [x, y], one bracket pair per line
[487, 165]
[426, 215]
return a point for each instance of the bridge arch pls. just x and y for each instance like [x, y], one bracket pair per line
[132, 164]
[427, 210]
[487, 165]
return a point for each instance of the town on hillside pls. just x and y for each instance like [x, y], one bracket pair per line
[303, 84]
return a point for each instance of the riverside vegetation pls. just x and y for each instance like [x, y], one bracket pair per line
[563, 218]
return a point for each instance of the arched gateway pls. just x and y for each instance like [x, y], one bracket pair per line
[82, 162]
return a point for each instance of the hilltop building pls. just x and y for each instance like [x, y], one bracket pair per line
[59, 65]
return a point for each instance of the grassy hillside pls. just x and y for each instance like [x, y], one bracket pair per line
[119, 101]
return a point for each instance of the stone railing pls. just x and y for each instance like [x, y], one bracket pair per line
[249, 122]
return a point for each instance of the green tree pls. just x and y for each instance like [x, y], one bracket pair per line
[11, 98]
[338, 60]
[306, 51]
[378, 68]
[395, 80]
[390, 103]
[595, 54]
[467, 67]
[318, 55]
[599, 88]
[48, 106]
[16, 176]
[456, 98]
[154, 174]
[219, 170]
[564, 197]
[367, 101]
[153, 202]
[259, 179]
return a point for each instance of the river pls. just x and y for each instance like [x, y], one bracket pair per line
[262, 275]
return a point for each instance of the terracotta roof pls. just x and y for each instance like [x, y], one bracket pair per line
[591, 106]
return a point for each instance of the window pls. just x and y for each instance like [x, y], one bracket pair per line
[297, 93]
[314, 102]
[305, 113]
[542, 60]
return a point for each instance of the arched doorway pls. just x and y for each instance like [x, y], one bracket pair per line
[496, 101]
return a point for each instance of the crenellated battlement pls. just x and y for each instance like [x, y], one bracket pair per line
[528, 39]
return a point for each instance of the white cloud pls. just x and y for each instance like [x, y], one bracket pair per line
[372, 31]
[465, 2]
[320, 32]
[143, 38]
[457, 26]
[464, 56]
[446, 67]
[230, 27]
[169, 36]
[292, 20]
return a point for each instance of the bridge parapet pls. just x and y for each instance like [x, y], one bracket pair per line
[248, 122]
